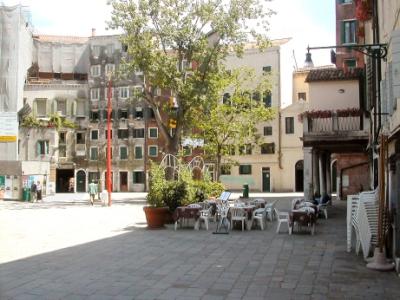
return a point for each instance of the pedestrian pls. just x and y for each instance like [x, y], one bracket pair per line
[38, 191]
[33, 192]
[92, 191]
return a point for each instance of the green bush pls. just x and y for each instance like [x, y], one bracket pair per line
[183, 191]
[174, 194]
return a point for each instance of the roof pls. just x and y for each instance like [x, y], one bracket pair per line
[61, 39]
[333, 74]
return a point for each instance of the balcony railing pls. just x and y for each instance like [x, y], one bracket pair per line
[333, 124]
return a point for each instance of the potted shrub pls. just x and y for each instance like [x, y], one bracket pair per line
[156, 210]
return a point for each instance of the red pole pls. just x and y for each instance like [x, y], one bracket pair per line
[109, 110]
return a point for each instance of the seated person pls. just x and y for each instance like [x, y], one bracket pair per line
[325, 199]
[317, 198]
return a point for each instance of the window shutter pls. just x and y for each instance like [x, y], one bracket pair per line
[105, 114]
[34, 108]
[342, 32]
[53, 106]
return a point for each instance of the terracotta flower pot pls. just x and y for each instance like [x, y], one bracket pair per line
[155, 216]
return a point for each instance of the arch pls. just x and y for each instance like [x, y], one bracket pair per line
[196, 166]
[170, 163]
[81, 181]
[299, 176]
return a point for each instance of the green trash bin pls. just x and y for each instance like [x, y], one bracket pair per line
[26, 194]
[245, 190]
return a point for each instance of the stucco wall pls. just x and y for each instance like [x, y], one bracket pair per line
[329, 96]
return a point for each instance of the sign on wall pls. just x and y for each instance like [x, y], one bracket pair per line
[8, 127]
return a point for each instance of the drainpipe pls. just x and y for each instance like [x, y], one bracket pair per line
[347, 168]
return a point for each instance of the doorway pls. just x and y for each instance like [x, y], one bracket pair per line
[64, 180]
[123, 181]
[299, 176]
[266, 180]
[81, 181]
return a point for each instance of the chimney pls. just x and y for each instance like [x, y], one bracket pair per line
[93, 31]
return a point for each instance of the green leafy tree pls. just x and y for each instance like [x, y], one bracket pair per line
[234, 123]
[180, 45]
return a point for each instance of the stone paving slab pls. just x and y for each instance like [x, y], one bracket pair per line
[57, 251]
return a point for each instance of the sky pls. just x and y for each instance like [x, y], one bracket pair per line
[307, 22]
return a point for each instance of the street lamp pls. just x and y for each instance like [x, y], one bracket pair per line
[109, 110]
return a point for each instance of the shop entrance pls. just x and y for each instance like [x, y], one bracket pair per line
[65, 181]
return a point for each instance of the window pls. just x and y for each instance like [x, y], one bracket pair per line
[110, 68]
[345, 1]
[80, 138]
[289, 125]
[267, 99]
[150, 113]
[245, 169]
[96, 51]
[94, 153]
[225, 170]
[62, 137]
[62, 150]
[267, 69]
[94, 134]
[106, 133]
[62, 147]
[123, 114]
[94, 94]
[229, 150]
[187, 150]
[62, 107]
[123, 133]
[267, 130]
[41, 107]
[301, 96]
[43, 147]
[153, 151]
[110, 49]
[94, 115]
[138, 177]
[95, 70]
[348, 32]
[138, 133]
[123, 153]
[350, 63]
[80, 109]
[94, 176]
[268, 148]
[138, 152]
[153, 132]
[245, 149]
[138, 113]
[226, 99]
[124, 92]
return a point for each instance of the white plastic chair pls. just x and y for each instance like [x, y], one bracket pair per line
[282, 217]
[205, 216]
[270, 210]
[259, 215]
[238, 214]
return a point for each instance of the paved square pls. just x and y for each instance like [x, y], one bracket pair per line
[70, 250]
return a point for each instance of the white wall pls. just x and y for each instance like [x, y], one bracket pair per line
[326, 95]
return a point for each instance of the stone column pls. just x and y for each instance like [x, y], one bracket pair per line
[315, 174]
[308, 170]
[322, 173]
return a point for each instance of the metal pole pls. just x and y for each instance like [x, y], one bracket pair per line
[109, 110]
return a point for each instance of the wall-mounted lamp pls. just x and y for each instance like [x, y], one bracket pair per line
[341, 91]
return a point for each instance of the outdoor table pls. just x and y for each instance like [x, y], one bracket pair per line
[302, 217]
[182, 213]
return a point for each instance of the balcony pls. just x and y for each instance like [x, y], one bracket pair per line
[333, 129]
[80, 149]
